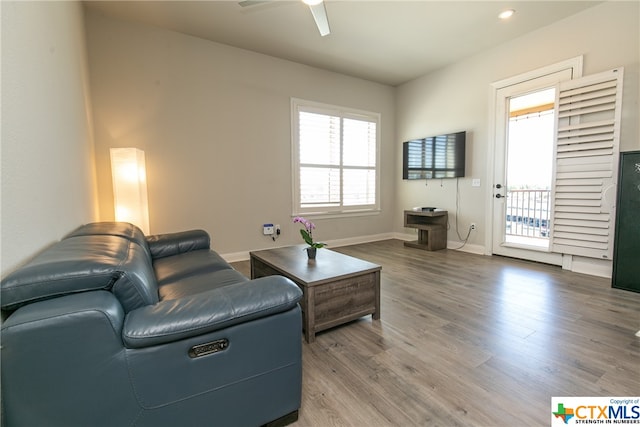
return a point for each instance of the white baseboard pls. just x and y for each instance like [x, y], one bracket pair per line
[236, 256]
[473, 249]
[361, 239]
[592, 266]
[244, 256]
[451, 244]
[476, 249]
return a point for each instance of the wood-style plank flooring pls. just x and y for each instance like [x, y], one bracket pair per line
[470, 340]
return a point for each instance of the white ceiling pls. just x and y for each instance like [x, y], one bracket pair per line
[390, 42]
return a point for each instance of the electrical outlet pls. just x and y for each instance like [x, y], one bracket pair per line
[267, 229]
[472, 226]
[277, 229]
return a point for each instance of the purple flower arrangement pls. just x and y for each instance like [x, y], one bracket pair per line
[307, 232]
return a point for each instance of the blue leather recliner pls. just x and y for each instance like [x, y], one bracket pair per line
[111, 327]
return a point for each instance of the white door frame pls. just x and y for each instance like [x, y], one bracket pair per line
[576, 65]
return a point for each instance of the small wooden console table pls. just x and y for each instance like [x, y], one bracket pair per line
[432, 229]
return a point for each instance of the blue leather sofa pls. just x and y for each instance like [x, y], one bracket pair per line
[111, 327]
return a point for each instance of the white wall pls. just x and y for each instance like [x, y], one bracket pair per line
[457, 98]
[48, 179]
[214, 122]
[199, 108]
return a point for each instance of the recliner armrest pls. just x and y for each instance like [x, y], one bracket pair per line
[216, 309]
[164, 245]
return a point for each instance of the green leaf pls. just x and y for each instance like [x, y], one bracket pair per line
[306, 237]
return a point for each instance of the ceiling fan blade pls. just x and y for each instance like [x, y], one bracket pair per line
[319, 13]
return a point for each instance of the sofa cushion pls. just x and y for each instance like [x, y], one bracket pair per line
[175, 268]
[173, 320]
[120, 229]
[199, 283]
[169, 244]
[84, 263]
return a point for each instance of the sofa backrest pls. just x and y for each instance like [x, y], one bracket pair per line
[120, 229]
[81, 263]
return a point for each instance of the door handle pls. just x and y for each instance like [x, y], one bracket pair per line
[498, 196]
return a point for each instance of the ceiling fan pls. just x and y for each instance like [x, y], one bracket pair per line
[317, 8]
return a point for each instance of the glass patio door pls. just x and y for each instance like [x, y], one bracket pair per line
[523, 174]
[529, 167]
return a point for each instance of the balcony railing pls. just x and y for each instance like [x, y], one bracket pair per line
[528, 213]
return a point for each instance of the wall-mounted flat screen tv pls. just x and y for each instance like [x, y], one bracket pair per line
[441, 156]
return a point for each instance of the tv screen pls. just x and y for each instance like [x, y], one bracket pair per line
[441, 156]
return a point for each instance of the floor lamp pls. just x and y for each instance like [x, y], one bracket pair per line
[130, 187]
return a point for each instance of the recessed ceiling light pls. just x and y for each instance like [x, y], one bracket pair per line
[312, 2]
[506, 14]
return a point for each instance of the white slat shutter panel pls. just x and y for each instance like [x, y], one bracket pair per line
[586, 165]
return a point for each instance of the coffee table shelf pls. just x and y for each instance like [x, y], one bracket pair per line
[337, 288]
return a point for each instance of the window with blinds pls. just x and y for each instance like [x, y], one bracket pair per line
[335, 159]
[586, 164]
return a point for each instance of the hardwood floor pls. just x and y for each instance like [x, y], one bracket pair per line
[470, 340]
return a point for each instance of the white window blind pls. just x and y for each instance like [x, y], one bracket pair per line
[586, 164]
[335, 159]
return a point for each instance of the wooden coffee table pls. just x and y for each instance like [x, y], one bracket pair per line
[337, 288]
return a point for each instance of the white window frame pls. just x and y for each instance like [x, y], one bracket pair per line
[300, 105]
